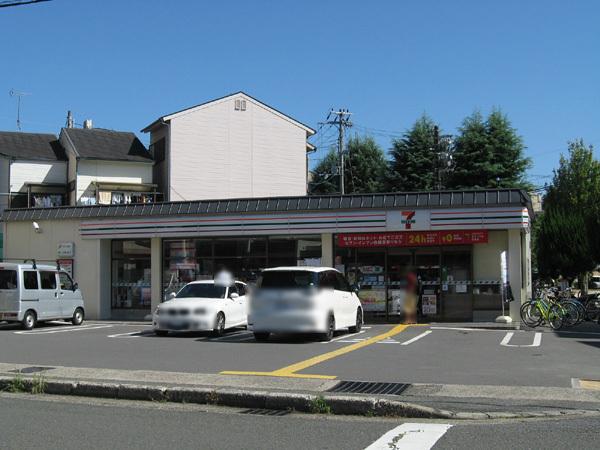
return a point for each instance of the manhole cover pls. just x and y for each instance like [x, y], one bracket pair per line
[367, 387]
[32, 369]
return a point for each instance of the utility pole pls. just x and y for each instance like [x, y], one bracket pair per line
[340, 119]
[443, 149]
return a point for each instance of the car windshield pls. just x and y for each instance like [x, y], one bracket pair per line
[203, 290]
[290, 279]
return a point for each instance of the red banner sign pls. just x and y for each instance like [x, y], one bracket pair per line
[411, 239]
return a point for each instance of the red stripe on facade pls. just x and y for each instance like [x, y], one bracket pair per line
[229, 220]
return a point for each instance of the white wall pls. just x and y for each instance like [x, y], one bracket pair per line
[91, 267]
[22, 172]
[89, 171]
[218, 152]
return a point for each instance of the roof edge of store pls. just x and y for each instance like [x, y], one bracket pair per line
[419, 200]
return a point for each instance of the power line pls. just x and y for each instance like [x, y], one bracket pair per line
[6, 4]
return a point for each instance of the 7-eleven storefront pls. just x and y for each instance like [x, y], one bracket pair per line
[127, 259]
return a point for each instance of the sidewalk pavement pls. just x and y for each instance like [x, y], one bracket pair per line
[455, 402]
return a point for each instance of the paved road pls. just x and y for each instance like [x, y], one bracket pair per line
[424, 354]
[73, 423]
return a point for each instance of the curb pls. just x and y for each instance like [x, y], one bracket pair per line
[257, 399]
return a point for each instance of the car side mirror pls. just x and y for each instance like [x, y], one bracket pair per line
[75, 287]
[234, 295]
[172, 295]
[355, 288]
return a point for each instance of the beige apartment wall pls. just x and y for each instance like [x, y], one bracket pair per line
[220, 152]
[91, 261]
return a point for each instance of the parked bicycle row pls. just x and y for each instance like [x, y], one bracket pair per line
[560, 309]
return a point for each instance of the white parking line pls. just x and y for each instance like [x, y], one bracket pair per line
[133, 334]
[537, 340]
[237, 334]
[416, 338]
[343, 336]
[474, 329]
[63, 330]
[413, 436]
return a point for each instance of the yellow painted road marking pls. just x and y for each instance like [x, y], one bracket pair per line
[291, 371]
[590, 384]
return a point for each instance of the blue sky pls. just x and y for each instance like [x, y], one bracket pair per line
[124, 63]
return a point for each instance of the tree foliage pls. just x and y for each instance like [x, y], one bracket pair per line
[365, 169]
[414, 158]
[489, 153]
[568, 241]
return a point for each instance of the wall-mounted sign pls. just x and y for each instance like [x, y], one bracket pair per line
[66, 250]
[412, 238]
[66, 265]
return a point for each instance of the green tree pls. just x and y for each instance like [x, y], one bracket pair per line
[413, 166]
[568, 242]
[563, 247]
[489, 153]
[365, 169]
[507, 149]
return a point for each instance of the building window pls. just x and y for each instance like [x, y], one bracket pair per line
[131, 284]
[186, 260]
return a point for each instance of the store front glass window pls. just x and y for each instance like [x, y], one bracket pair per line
[188, 260]
[130, 282]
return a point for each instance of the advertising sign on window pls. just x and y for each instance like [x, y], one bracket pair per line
[429, 304]
[411, 238]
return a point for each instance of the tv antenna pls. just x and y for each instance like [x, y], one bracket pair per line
[19, 95]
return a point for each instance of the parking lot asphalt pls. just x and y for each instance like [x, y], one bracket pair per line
[417, 354]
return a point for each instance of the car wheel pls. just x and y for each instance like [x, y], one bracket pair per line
[219, 329]
[77, 318]
[261, 336]
[328, 335]
[359, 321]
[161, 333]
[29, 320]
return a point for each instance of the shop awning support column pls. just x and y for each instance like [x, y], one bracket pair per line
[155, 272]
[515, 273]
[327, 250]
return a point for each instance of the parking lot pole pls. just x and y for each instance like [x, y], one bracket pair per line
[155, 271]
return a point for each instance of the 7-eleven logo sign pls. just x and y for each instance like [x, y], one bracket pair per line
[408, 218]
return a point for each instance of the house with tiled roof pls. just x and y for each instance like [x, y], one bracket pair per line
[107, 167]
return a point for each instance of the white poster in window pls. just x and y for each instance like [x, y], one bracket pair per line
[461, 288]
[429, 304]
[397, 297]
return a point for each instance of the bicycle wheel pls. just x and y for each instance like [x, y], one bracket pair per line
[580, 310]
[556, 315]
[592, 309]
[531, 314]
[571, 316]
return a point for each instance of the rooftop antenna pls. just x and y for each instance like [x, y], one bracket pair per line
[18, 94]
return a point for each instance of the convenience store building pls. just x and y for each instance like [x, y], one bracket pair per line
[127, 258]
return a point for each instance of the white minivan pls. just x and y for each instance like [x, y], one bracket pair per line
[31, 293]
[303, 300]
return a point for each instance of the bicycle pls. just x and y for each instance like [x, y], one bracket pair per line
[536, 311]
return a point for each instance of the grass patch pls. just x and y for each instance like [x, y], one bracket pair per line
[17, 384]
[38, 384]
[319, 405]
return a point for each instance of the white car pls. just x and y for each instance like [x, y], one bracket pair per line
[303, 300]
[203, 306]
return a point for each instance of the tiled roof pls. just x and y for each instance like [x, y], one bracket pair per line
[97, 143]
[416, 200]
[31, 146]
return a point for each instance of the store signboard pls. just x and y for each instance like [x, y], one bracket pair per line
[66, 265]
[65, 250]
[412, 238]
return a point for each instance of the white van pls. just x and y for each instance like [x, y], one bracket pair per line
[31, 293]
